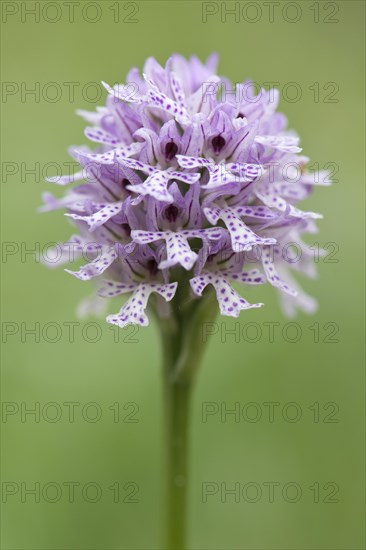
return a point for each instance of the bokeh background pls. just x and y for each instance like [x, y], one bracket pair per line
[322, 374]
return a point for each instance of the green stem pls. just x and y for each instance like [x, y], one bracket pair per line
[177, 400]
[183, 348]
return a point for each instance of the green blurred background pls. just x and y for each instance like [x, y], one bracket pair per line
[325, 449]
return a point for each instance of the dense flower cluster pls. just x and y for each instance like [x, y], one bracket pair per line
[187, 179]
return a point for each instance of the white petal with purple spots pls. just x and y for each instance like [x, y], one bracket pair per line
[252, 277]
[177, 247]
[257, 212]
[96, 267]
[275, 201]
[118, 154]
[100, 136]
[230, 302]
[177, 90]
[99, 218]
[156, 185]
[271, 273]
[194, 162]
[178, 252]
[161, 101]
[242, 238]
[112, 288]
[133, 311]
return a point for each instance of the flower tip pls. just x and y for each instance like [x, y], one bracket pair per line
[106, 86]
